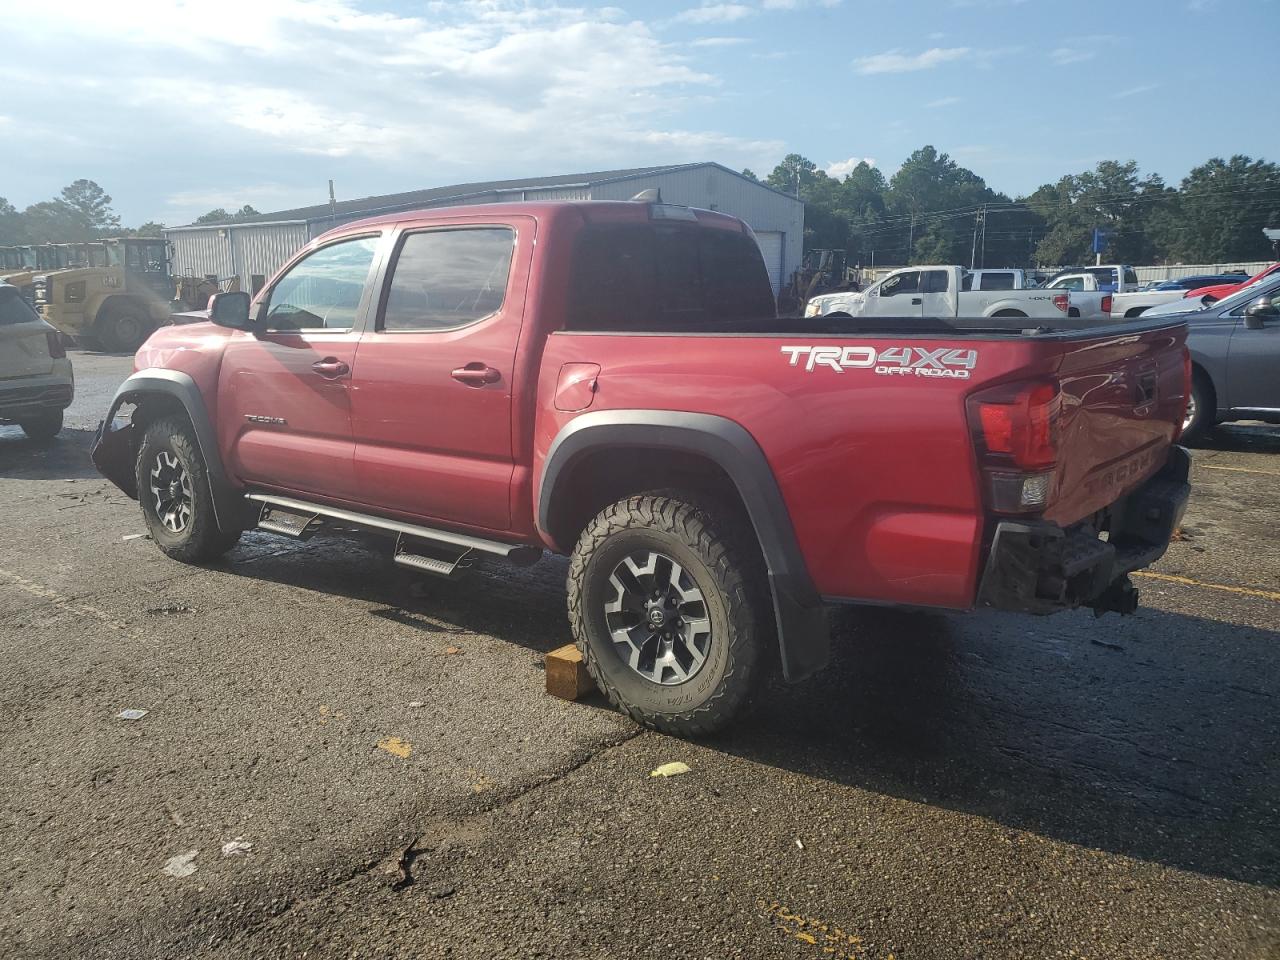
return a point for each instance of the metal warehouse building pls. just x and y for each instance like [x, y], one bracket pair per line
[254, 249]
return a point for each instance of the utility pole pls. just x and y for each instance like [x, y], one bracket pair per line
[911, 238]
[333, 204]
[983, 259]
[973, 249]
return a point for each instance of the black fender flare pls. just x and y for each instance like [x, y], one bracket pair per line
[109, 444]
[803, 632]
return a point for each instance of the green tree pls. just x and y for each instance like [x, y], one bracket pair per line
[92, 205]
[750, 174]
[220, 215]
[13, 229]
[1111, 197]
[55, 221]
[1219, 212]
[148, 229]
[938, 200]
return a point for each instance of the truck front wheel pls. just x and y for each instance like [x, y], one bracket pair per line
[175, 494]
[667, 604]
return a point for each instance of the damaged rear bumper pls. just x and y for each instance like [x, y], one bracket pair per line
[1039, 567]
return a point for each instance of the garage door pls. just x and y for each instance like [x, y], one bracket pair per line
[771, 246]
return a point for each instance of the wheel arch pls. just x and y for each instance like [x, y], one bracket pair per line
[732, 453]
[156, 393]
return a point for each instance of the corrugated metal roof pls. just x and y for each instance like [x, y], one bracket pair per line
[371, 206]
[434, 194]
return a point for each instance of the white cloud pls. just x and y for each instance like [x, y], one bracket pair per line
[842, 168]
[715, 13]
[719, 41]
[1065, 55]
[465, 91]
[895, 61]
[1134, 91]
[942, 102]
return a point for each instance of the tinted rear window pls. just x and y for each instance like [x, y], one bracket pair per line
[660, 276]
[997, 281]
[13, 309]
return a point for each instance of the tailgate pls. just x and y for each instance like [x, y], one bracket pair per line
[1123, 398]
[24, 349]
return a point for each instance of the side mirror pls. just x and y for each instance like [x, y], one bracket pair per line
[230, 309]
[1259, 312]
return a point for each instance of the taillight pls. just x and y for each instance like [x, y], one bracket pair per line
[56, 350]
[1186, 390]
[1015, 430]
[1106, 303]
[1062, 301]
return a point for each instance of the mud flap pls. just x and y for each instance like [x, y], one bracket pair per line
[113, 455]
[804, 633]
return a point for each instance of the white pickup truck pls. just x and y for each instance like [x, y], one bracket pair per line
[1128, 301]
[940, 291]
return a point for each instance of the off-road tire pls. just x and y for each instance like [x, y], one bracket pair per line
[719, 553]
[201, 539]
[42, 426]
[124, 329]
[1204, 418]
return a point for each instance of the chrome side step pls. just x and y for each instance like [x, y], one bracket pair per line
[300, 526]
[287, 512]
[406, 556]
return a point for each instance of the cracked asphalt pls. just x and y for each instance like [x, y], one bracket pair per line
[378, 753]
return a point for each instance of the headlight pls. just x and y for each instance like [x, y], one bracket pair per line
[74, 292]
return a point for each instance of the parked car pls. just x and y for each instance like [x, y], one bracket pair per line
[1235, 356]
[1089, 298]
[36, 380]
[1208, 295]
[1110, 277]
[621, 391]
[1197, 283]
[1130, 304]
[939, 291]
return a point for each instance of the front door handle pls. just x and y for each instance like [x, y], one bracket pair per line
[916, 301]
[476, 374]
[331, 368]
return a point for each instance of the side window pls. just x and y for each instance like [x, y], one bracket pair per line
[1068, 283]
[1131, 277]
[997, 281]
[901, 283]
[936, 281]
[444, 279]
[323, 290]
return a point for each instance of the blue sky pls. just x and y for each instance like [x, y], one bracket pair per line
[178, 107]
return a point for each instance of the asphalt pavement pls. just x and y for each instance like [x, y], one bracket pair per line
[339, 759]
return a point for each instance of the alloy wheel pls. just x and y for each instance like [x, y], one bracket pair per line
[171, 491]
[657, 618]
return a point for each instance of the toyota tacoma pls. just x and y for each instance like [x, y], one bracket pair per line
[610, 381]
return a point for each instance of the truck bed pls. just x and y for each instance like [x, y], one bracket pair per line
[878, 469]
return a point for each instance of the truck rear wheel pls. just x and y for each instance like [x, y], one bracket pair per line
[667, 604]
[124, 329]
[175, 494]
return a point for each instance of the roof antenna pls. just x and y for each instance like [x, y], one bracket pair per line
[652, 195]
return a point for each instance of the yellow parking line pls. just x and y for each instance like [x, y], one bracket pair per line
[1188, 582]
[1265, 473]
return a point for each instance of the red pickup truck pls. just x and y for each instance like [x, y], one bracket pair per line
[610, 381]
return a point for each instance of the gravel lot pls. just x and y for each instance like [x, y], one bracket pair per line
[955, 786]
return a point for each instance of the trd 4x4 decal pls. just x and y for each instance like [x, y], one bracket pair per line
[889, 362]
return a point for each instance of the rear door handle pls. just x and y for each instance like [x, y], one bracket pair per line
[476, 374]
[331, 368]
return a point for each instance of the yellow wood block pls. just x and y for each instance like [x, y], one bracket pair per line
[567, 676]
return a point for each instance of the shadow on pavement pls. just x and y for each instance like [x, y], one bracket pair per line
[1163, 750]
[65, 457]
[1239, 438]
[1160, 745]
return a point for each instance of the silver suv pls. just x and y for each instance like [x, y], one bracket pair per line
[36, 382]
